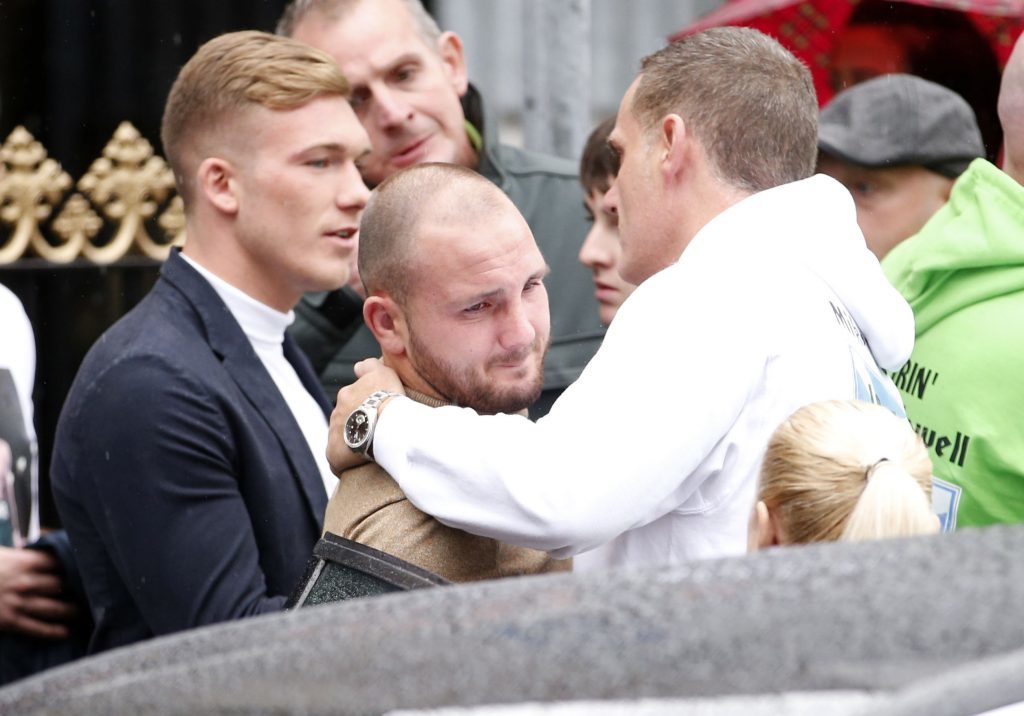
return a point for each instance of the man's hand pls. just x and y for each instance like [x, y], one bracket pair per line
[31, 594]
[373, 376]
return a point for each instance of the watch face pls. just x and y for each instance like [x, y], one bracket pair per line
[357, 427]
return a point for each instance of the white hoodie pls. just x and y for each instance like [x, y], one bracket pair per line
[652, 455]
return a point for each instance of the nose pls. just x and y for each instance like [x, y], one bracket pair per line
[517, 330]
[352, 190]
[390, 109]
[593, 253]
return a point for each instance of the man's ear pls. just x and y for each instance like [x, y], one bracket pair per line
[386, 321]
[768, 534]
[947, 190]
[449, 46]
[216, 181]
[674, 139]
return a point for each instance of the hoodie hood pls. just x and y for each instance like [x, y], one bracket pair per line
[820, 231]
[971, 251]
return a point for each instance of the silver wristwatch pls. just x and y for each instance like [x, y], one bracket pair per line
[361, 422]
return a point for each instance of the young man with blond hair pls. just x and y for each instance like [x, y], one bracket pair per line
[188, 466]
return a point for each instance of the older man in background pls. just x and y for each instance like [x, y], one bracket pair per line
[898, 143]
[410, 90]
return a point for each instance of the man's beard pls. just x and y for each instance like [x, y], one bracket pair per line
[464, 387]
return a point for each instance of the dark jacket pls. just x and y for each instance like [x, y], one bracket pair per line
[546, 190]
[183, 480]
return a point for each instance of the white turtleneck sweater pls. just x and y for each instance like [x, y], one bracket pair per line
[265, 327]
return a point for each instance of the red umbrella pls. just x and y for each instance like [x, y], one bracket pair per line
[809, 28]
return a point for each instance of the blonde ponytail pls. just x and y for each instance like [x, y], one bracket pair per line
[893, 504]
[847, 470]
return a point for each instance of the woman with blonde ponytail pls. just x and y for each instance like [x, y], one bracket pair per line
[842, 470]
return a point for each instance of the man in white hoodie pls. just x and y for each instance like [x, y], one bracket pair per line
[757, 295]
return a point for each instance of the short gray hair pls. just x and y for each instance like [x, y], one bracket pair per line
[334, 10]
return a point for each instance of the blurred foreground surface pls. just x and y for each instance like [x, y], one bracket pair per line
[921, 626]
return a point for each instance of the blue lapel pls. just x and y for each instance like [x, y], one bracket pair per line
[230, 344]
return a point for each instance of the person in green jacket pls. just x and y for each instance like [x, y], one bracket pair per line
[963, 275]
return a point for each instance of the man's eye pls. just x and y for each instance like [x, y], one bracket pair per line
[532, 284]
[587, 213]
[863, 188]
[405, 73]
[476, 307]
[357, 100]
[319, 163]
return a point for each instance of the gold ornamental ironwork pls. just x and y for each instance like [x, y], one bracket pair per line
[109, 216]
[30, 185]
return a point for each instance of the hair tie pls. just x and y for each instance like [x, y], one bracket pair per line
[871, 468]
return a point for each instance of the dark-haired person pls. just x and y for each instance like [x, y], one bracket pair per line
[602, 249]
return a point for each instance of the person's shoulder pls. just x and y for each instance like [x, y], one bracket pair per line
[369, 482]
[151, 327]
[149, 349]
[367, 500]
[12, 312]
[15, 328]
[9, 302]
[524, 163]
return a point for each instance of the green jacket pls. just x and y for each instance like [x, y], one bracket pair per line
[963, 274]
[546, 190]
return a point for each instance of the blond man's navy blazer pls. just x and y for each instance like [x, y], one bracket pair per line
[186, 486]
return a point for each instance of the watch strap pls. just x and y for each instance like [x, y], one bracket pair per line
[373, 402]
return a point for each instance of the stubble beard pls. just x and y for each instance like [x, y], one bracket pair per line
[463, 386]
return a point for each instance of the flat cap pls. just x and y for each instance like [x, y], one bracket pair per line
[901, 120]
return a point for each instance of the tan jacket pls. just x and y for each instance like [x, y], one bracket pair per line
[370, 508]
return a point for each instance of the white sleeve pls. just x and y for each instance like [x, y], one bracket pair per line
[18, 351]
[620, 447]
[18, 354]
